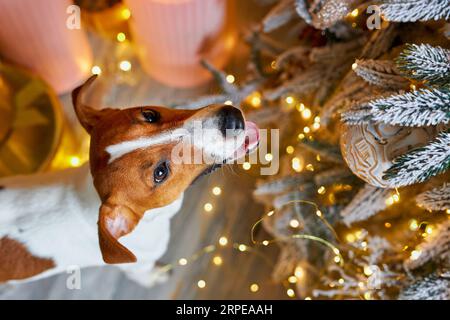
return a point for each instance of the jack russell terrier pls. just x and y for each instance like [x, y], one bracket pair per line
[117, 210]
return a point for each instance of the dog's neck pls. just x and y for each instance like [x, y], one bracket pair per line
[54, 216]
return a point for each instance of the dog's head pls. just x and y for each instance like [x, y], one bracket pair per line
[134, 163]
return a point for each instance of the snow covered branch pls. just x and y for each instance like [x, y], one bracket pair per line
[422, 163]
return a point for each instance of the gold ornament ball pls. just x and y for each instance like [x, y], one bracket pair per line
[369, 149]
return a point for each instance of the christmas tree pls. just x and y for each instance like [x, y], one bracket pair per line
[360, 207]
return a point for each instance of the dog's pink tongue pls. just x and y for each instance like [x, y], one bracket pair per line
[251, 136]
[251, 140]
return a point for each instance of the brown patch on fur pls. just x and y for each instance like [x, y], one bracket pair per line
[126, 186]
[16, 262]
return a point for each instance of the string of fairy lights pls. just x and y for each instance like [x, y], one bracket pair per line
[298, 164]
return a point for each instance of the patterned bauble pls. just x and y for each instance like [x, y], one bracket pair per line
[368, 149]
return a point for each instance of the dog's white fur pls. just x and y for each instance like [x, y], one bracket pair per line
[54, 215]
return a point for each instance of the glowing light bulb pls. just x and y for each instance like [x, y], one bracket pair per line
[268, 157]
[289, 149]
[201, 284]
[306, 130]
[242, 247]
[301, 136]
[75, 161]
[230, 78]
[300, 107]
[217, 260]
[216, 191]
[415, 254]
[289, 100]
[306, 114]
[292, 279]
[413, 225]
[319, 213]
[294, 223]
[309, 167]
[121, 37]
[96, 70]
[228, 103]
[125, 65]
[354, 66]
[290, 293]
[223, 241]
[350, 237]
[246, 166]
[125, 13]
[389, 201]
[208, 207]
[368, 271]
[182, 262]
[265, 243]
[296, 164]
[255, 99]
[354, 13]
[254, 287]
[321, 190]
[396, 197]
[299, 272]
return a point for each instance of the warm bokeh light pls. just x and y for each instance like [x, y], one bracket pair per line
[125, 65]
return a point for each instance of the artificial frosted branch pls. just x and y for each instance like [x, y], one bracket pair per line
[380, 42]
[419, 108]
[435, 248]
[301, 6]
[425, 63]
[366, 203]
[432, 287]
[415, 10]
[435, 199]
[381, 73]
[279, 15]
[422, 163]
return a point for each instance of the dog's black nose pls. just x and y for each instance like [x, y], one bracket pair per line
[232, 121]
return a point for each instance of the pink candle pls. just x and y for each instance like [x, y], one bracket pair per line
[174, 35]
[34, 34]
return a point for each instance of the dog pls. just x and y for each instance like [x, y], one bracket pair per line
[117, 209]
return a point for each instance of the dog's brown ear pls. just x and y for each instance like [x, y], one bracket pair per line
[113, 223]
[87, 115]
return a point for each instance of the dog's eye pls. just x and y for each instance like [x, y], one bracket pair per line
[161, 172]
[150, 115]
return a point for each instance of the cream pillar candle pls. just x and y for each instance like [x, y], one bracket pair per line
[34, 34]
[172, 36]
